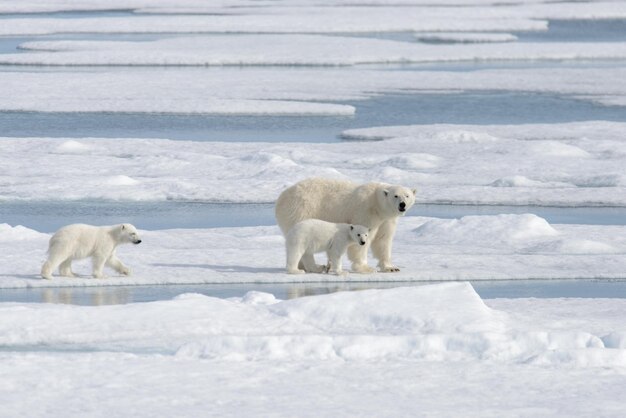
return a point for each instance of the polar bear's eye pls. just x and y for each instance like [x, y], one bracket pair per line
[396, 196]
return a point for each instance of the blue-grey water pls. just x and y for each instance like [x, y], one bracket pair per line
[403, 109]
[50, 216]
[112, 295]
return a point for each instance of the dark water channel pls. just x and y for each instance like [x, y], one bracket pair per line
[394, 109]
[112, 295]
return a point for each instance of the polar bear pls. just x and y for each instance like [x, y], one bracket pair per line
[313, 236]
[76, 241]
[374, 205]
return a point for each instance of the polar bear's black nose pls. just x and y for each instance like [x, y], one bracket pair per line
[362, 242]
[137, 242]
[402, 206]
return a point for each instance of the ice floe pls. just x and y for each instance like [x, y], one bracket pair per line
[302, 50]
[469, 248]
[287, 91]
[574, 164]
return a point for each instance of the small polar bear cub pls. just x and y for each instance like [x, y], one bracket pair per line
[77, 241]
[313, 236]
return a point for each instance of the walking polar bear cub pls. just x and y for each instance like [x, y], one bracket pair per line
[376, 206]
[313, 236]
[76, 241]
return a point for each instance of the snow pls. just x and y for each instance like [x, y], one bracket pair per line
[355, 353]
[572, 164]
[280, 90]
[431, 347]
[292, 50]
[470, 248]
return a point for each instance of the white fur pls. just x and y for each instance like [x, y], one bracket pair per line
[313, 236]
[73, 242]
[374, 205]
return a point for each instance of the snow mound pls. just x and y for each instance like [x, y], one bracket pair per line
[73, 147]
[517, 181]
[420, 309]
[10, 233]
[121, 180]
[462, 136]
[559, 149]
[486, 229]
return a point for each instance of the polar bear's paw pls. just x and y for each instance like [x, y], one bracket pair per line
[388, 268]
[362, 268]
[295, 271]
[125, 271]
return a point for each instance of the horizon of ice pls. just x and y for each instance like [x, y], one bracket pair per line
[289, 21]
[338, 18]
[224, 6]
[499, 247]
[569, 164]
[302, 50]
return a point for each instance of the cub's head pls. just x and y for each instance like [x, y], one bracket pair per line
[397, 200]
[359, 234]
[128, 233]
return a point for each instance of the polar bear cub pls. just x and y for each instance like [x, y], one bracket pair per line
[313, 236]
[77, 241]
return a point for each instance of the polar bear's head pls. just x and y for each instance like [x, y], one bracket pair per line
[128, 233]
[359, 234]
[397, 200]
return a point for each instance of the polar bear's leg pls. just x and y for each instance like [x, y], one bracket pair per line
[117, 265]
[334, 263]
[381, 245]
[56, 256]
[293, 258]
[65, 269]
[308, 261]
[98, 262]
[358, 255]
[48, 267]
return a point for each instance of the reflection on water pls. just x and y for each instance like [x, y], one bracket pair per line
[94, 297]
[112, 295]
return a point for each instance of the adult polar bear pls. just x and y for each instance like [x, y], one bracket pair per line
[374, 205]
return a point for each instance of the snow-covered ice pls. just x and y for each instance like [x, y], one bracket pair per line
[470, 248]
[572, 164]
[398, 352]
[302, 91]
[293, 50]
[418, 350]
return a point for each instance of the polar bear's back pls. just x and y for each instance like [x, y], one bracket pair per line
[315, 235]
[319, 198]
[78, 239]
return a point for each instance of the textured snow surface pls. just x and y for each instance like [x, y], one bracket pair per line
[469, 248]
[353, 353]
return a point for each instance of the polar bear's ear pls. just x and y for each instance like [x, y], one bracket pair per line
[351, 227]
[123, 227]
[414, 191]
[386, 192]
